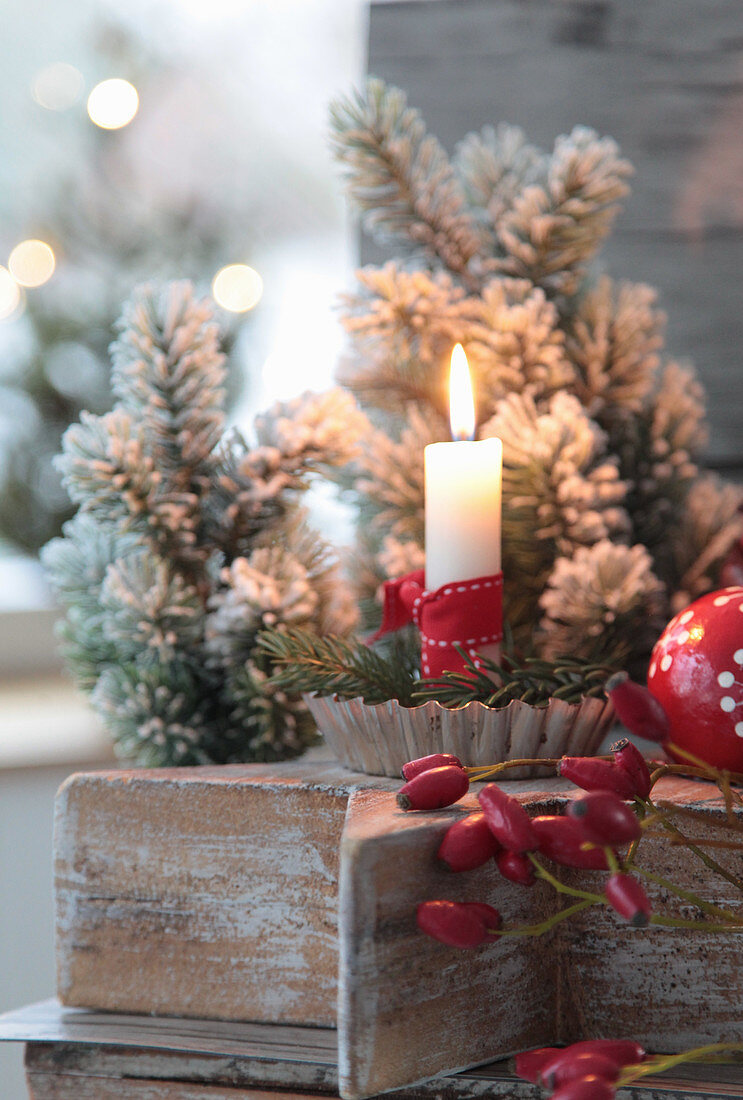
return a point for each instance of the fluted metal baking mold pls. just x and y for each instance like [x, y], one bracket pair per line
[378, 740]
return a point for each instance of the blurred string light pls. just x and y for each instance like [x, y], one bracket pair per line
[237, 288]
[113, 103]
[10, 294]
[57, 86]
[32, 263]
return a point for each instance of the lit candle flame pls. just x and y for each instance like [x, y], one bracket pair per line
[461, 400]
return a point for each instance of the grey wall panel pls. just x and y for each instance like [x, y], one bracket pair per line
[665, 78]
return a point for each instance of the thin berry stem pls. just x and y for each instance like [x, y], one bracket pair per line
[641, 806]
[611, 859]
[561, 887]
[545, 925]
[707, 842]
[488, 771]
[669, 809]
[695, 925]
[687, 895]
[661, 1063]
[706, 859]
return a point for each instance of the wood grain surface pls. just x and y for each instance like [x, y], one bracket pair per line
[410, 1007]
[206, 892]
[263, 893]
[256, 1061]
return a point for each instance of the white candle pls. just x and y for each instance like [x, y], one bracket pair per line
[463, 494]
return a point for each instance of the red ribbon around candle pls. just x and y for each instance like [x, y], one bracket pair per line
[465, 613]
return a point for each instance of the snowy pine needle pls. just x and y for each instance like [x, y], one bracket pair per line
[608, 523]
[187, 544]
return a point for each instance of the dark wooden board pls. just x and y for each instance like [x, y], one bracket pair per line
[663, 77]
[73, 1054]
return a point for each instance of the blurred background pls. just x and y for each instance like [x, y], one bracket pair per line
[139, 141]
[177, 138]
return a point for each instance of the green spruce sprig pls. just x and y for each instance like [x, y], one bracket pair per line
[331, 665]
[529, 679]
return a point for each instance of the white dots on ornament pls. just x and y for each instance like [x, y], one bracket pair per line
[728, 704]
[726, 679]
[666, 662]
[720, 601]
[739, 728]
[738, 657]
[652, 669]
[683, 637]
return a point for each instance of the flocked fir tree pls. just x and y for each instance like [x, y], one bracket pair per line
[608, 524]
[187, 542]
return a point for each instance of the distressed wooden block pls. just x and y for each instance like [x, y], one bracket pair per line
[410, 1007]
[205, 892]
[265, 893]
[72, 1054]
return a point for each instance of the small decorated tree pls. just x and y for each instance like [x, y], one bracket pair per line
[608, 523]
[187, 542]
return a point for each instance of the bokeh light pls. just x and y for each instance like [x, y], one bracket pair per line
[10, 294]
[237, 288]
[113, 103]
[57, 86]
[32, 263]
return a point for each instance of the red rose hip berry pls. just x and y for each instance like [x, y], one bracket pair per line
[623, 1052]
[593, 774]
[432, 789]
[562, 839]
[468, 844]
[516, 867]
[629, 757]
[640, 711]
[586, 1088]
[528, 1064]
[570, 1064]
[452, 923]
[625, 894]
[507, 819]
[425, 763]
[605, 818]
[490, 917]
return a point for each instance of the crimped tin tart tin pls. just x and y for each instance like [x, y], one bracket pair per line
[378, 740]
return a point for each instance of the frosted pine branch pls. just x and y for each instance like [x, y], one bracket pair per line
[614, 339]
[169, 372]
[186, 544]
[158, 716]
[513, 340]
[391, 476]
[400, 177]
[108, 471]
[595, 603]
[555, 228]
[602, 436]
[151, 614]
[560, 492]
[710, 523]
[495, 167]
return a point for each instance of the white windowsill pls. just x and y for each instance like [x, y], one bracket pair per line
[45, 721]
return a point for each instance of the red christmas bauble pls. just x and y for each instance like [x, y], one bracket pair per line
[696, 673]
